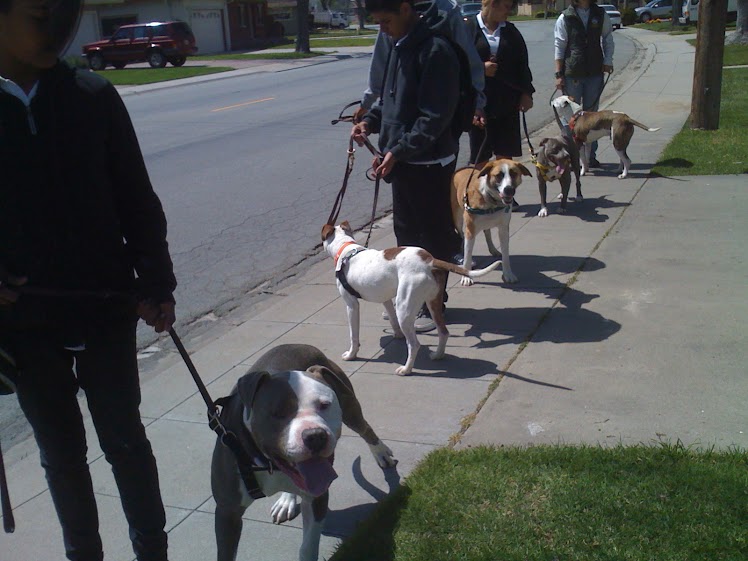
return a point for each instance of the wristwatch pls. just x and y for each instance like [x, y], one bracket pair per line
[559, 74]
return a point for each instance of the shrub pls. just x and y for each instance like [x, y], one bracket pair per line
[551, 14]
[628, 16]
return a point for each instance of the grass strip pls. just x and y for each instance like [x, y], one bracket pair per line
[665, 26]
[334, 42]
[261, 56]
[735, 55]
[720, 152]
[546, 503]
[139, 76]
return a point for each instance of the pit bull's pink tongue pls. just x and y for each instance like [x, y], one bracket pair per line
[560, 170]
[318, 474]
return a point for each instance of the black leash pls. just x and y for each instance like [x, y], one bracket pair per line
[247, 465]
[9, 522]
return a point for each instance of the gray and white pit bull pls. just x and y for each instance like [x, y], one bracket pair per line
[557, 157]
[291, 405]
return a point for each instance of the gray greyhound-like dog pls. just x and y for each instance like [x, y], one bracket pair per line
[557, 157]
[289, 408]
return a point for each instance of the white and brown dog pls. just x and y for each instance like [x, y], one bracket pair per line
[589, 126]
[483, 200]
[286, 413]
[410, 275]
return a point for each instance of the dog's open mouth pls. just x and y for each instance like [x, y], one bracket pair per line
[507, 200]
[560, 170]
[313, 476]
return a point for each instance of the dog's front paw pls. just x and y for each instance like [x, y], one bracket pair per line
[285, 508]
[466, 281]
[383, 455]
[509, 277]
[543, 212]
[403, 370]
[624, 175]
[350, 354]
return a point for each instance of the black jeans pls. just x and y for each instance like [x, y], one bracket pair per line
[422, 209]
[107, 371]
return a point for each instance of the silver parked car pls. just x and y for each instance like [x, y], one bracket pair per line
[613, 14]
[654, 10]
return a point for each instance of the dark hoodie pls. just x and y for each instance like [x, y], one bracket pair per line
[77, 209]
[420, 94]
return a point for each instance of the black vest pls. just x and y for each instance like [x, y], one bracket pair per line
[584, 53]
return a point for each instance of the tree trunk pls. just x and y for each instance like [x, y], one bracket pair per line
[302, 21]
[361, 13]
[707, 72]
[740, 37]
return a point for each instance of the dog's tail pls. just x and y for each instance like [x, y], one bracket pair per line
[452, 268]
[645, 127]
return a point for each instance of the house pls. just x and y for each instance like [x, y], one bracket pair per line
[218, 25]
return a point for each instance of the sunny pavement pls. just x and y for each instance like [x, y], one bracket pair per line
[647, 342]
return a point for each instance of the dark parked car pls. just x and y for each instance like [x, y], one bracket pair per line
[156, 43]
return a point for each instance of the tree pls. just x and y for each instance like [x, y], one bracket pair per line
[302, 22]
[361, 13]
[707, 69]
[740, 36]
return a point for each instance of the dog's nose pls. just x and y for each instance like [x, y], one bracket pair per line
[314, 439]
[509, 191]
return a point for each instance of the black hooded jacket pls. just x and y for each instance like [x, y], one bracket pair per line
[77, 209]
[420, 94]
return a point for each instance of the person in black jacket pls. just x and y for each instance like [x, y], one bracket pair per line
[83, 253]
[508, 86]
[414, 122]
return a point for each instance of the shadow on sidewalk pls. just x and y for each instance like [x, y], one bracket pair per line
[588, 210]
[342, 523]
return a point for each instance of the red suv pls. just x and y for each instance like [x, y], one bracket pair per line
[156, 43]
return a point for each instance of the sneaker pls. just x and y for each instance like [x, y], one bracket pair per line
[385, 316]
[594, 163]
[424, 322]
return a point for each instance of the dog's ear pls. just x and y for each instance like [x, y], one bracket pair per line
[327, 231]
[543, 141]
[353, 417]
[249, 384]
[524, 170]
[486, 169]
[571, 98]
[347, 228]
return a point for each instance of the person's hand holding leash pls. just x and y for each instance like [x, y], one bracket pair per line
[359, 132]
[607, 69]
[160, 316]
[491, 67]
[9, 296]
[525, 102]
[383, 167]
[479, 119]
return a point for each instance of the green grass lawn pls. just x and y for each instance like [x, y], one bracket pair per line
[667, 26]
[334, 42]
[138, 76]
[547, 503]
[260, 56]
[720, 152]
[734, 54]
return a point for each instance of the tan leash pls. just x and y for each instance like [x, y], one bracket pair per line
[335, 212]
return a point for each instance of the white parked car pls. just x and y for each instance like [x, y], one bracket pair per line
[613, 14]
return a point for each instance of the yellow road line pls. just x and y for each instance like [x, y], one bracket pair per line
[241, 104]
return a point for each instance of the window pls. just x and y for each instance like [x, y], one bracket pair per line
[243, 15]
[122, 35]
[110, 25]
[139, 33]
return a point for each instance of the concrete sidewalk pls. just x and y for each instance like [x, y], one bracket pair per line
[632, 306]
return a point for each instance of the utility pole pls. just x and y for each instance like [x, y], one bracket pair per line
[707, 72]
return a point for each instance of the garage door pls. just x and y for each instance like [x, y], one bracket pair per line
[207, 25]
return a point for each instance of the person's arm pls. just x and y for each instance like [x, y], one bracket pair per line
[461, 35]
[525, 74]
[141, 215]
[560, 40]
[607, 43]
[382, 48]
